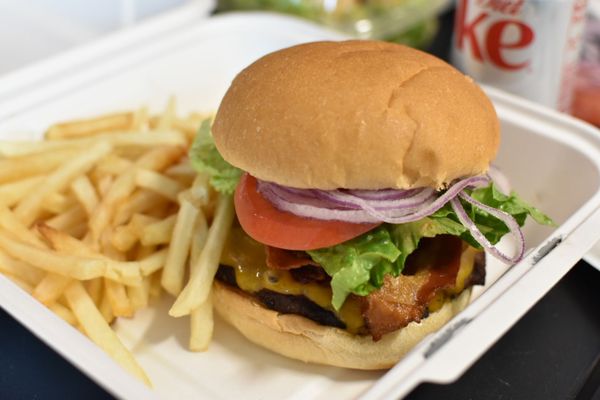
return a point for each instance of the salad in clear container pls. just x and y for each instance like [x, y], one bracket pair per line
[412, 22]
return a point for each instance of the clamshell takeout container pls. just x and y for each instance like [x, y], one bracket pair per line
[552, 160]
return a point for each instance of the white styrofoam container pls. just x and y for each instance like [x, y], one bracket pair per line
[551, 160]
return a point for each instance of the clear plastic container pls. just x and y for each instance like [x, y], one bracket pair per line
[412, 22]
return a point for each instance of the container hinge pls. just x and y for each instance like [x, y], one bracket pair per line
[546, 249]
[438, 342]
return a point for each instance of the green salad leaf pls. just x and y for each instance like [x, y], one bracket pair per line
[205, 157]
[359, 265]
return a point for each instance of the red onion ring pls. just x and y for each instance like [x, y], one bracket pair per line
[391, 206]
[506, 218]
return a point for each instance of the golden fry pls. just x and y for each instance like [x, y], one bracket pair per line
[158, 183]
[28, 209]
[203, 270]
[12, 224]
[139, 296]
[99, 331]
[66, 220]
[124, 185]
[91, 126]
[106, 309]
[140, 202]
[49, 289]
[117, 297]
[174, 269]
[94, 288]
[159, 232]
[118, 271]
[20, 269]
[85, 193]
[202, 325]
[112, 165]
[12, 193]
[68, 265]
[18, 168]
[199, 237]
[120, 139]
[154, 262]
[57, 203]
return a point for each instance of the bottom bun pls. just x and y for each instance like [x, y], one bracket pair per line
[300, 338]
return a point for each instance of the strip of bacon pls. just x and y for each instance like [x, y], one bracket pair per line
[287, 259]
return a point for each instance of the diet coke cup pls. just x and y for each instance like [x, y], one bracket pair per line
[527, 47]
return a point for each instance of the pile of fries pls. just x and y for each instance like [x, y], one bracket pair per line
[105, 214]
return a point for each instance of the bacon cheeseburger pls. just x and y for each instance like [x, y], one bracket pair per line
[362, 200]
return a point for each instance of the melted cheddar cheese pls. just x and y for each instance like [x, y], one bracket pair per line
[248, 259]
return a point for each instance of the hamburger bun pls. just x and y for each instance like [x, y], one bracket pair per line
[357, 115]
[302, 339]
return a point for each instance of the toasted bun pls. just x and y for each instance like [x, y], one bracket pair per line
[356, 114]
[300, 338]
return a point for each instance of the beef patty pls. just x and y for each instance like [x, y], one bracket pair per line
[428, 280]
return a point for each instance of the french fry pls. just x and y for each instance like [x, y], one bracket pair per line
[174, 269]
[94, 288]
[199, 191]
[65, 221]
[153, 262]
[68, 265]
[119, 271]
[201, 325]
[159, 232]
[57, 203]
[21, 270]
[28, 209]
[139, 296]
[117, 297]
[99, 331]
[91, 126]
[183, 169]
[17, 168]
[140, 120]
[166, 120]
[119, 139]
[64, 313]
[98, 217]
[113, 165]
[76, 231]
[123, 186]
[199, 237]
[158, 183]
[124, 237]
[49, 289]
[12, 193]
[155, 286]
[140, 202]
[202, 272]
[12, 224]
[106, 309]
[140, 221]
[103, 185]
[85, 193]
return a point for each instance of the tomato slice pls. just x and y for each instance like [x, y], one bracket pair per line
[268, 225]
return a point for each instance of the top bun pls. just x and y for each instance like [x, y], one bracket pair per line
[356, 115]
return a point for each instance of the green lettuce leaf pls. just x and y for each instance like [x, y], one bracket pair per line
[359, 265]
[205, 157]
